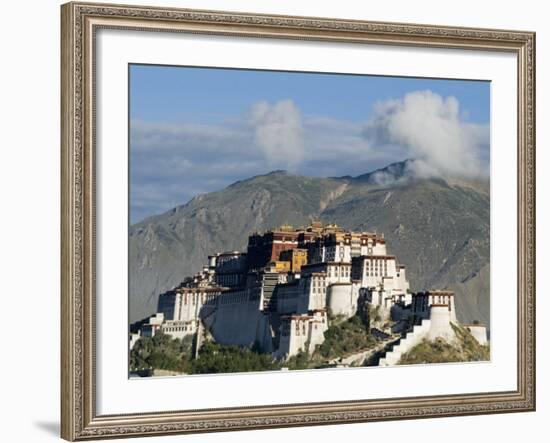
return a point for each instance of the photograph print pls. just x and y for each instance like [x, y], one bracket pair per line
[300, 220]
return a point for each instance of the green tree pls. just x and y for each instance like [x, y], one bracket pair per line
[344, 338]
[161, 352]
[301, 360]
[215, 358]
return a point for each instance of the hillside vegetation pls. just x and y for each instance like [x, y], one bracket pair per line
[345, 338]
[173, 354]
[161, 352]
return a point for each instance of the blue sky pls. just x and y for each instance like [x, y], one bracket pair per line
[196, 130]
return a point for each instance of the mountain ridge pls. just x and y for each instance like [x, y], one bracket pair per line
[438, 228]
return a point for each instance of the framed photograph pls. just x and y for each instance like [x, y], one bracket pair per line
[277, 221]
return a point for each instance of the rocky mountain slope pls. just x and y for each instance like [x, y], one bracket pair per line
[438, 228]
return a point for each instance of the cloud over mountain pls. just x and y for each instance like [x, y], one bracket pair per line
[172, 163]
[278, 132]
[429, 129]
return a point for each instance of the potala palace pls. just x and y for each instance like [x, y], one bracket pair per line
[282, 293]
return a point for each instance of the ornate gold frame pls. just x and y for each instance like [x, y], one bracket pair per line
[79, 420]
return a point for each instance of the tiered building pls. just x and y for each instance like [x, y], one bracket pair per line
[281, 294]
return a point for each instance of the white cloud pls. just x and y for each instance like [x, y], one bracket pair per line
[430, 130]
[172, 163]
[278, 133]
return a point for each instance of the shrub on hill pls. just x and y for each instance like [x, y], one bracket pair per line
[215, 358]
[161, 352]
[345, 338]
[466, 348]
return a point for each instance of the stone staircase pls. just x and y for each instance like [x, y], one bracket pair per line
[358, 358]
[408, 342]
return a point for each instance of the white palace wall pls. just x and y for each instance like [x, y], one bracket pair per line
[440, 318]
[342, 299]
[335, 272]
[337, 253]
[303, 295]
[401, 281]
[423, 302]
[317, 294]
[479, 332]
[186, 304]
[179, 329]
[371, 248]
[301, 333]
[238, 318]
[292, 297]
[372, 270]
